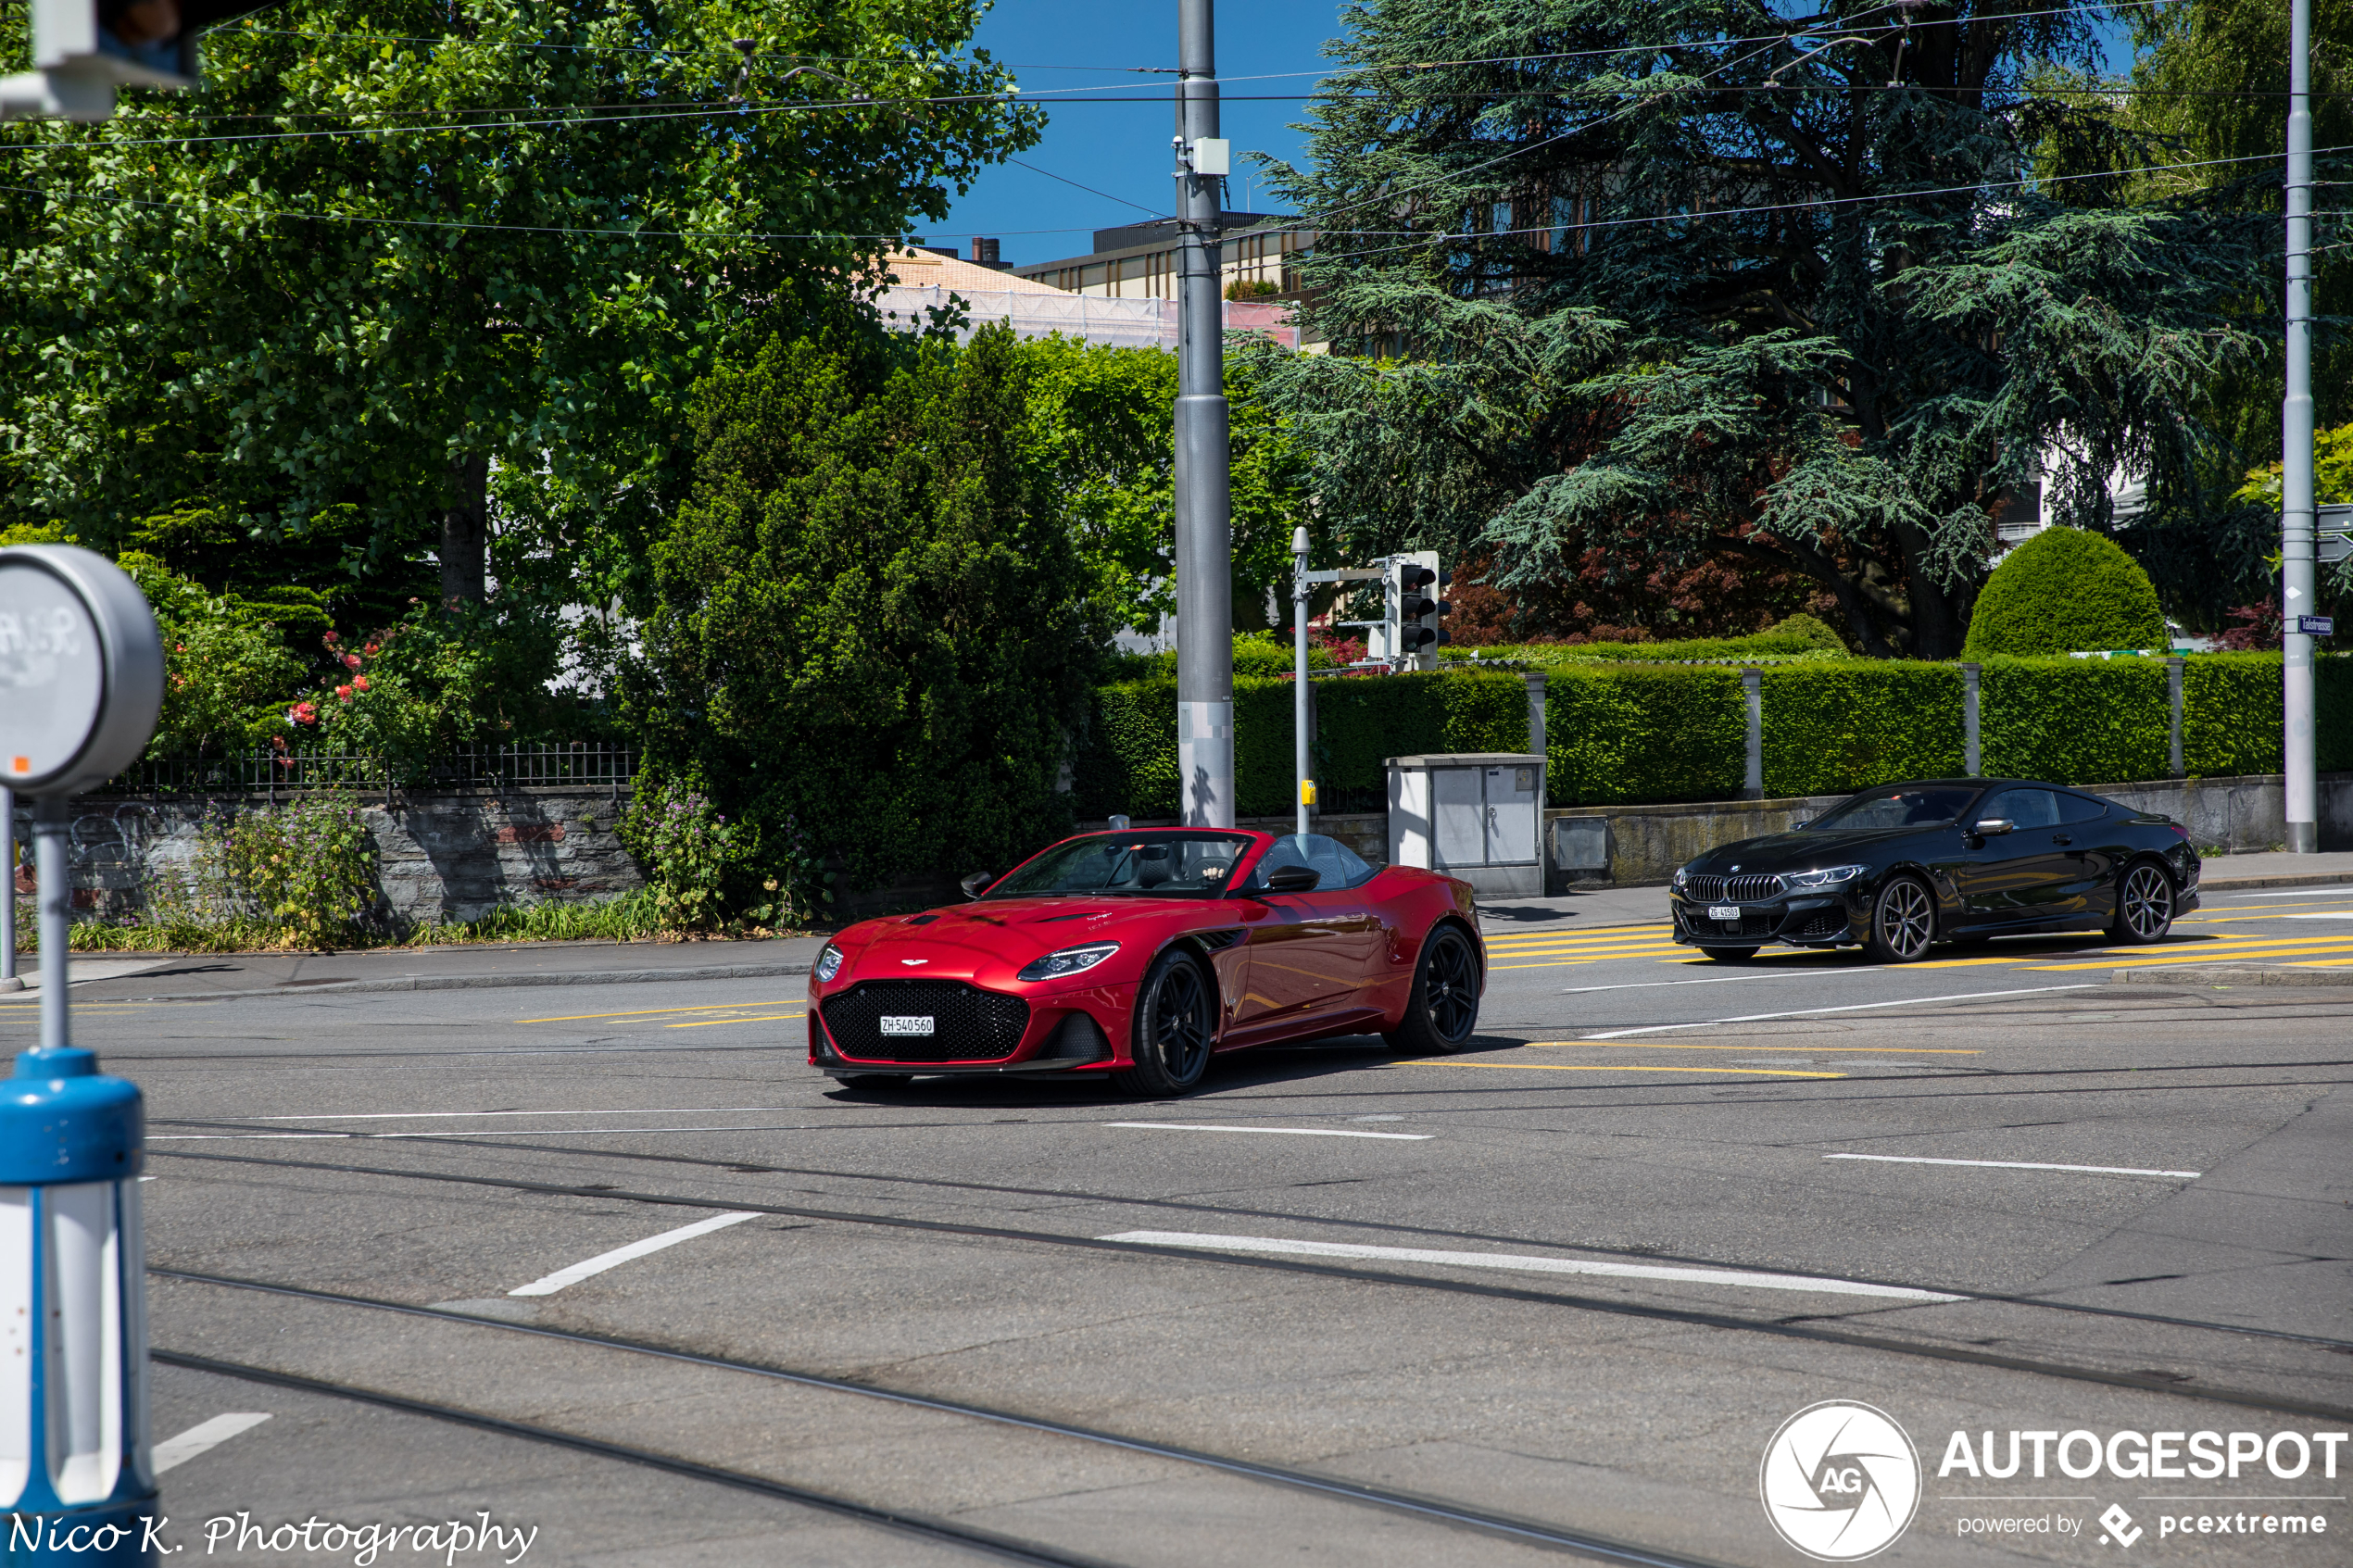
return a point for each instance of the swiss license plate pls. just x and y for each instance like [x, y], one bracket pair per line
[1723, 911]
[917, 1026]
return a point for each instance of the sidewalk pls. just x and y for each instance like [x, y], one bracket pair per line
[2226, 874]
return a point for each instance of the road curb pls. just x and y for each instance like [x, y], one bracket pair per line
[2291, 879]
[2231, 974]
[489, 981]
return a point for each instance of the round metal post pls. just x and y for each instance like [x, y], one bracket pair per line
[53, 866]
[76, 1477]
[9, 979]
[1204, 475]
[1299, 659]
[2295, 448]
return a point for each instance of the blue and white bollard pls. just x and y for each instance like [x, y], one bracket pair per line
[76, 1476]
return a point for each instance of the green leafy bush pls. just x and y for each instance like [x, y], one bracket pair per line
[2233, 714]
[307, 867]
[1830, 728]
[2074, 720]
[689, 851]
[2063, 591]
[1798, 636]
[1631, 734]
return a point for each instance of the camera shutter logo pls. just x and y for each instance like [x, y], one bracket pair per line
[1841, 1481]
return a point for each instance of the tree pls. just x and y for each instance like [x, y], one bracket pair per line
[2065, 591]
[395, 250]
[874, 629]
[1681, 278]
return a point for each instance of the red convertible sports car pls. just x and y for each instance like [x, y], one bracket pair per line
[1138, 954]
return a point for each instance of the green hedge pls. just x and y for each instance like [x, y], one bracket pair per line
[2233, 714]
[1642, 732]
[2333, 714]
[1830, 728]
[2074, 720]
[1126, 760]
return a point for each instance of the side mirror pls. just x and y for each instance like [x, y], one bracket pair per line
[1993, 827]
[973, 884]
[1293, 879]
[1801, 824]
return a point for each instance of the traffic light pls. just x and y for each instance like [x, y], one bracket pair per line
[1410, 624]
[82, 50]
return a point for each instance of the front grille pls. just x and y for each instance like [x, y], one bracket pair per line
[1753, 923]
[1821, 925]
[1732, 889]
[968, 1024]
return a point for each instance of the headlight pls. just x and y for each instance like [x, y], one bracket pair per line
[1682, 874]
[1799, 882]
[829, 963]
[1070, 960]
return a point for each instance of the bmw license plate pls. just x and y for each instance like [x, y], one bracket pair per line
[917, 1026]
[1723, 911]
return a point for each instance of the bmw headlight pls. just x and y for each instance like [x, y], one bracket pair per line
[1070, 960]
[829, 963]
[1805, 882]
[1682, 875]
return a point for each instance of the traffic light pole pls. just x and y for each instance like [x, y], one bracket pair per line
[2296, 513]
[1204, 505]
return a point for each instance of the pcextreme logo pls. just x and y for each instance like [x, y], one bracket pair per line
[1841, 1481]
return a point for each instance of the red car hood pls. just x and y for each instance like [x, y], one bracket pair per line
[987, 938]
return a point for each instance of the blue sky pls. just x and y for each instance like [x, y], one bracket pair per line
[1120, 148]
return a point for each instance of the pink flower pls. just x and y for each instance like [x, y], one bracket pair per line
[303, 713]
[344, 692]
[331, 639]
[359, 683]
[351, 661]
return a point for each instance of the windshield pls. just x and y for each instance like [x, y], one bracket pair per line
[1904, 806]
[1169, 864]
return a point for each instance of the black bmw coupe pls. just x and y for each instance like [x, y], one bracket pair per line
[1899, 867]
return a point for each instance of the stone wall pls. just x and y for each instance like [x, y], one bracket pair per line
[441, 857]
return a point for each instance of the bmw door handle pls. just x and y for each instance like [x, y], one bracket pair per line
[2061, 840]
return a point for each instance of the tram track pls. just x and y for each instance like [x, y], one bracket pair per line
[1427, 1509]
[1786, 1328]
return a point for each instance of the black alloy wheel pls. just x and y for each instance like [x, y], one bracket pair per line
[1730, 954]
[1175, 1019]
[2144, 905]
[1903, 922]
[872, 1080]
[1443, 1008]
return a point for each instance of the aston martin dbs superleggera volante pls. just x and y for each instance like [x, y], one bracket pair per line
[1897, 868]
[1140, 953]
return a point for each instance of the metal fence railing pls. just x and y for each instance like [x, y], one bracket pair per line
[575, 764]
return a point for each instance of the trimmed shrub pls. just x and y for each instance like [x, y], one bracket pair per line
[2333, 714]
[1638, 734]
[2074, 720]
[2065, 591]
[1126, 761]
[1830, 728]
[2233, 713]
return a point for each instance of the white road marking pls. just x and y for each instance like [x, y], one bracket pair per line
[1857, 1007]
[625, 1111]
[1294, 1132]
[1518, 1260]
[206, 1435]
[2332, 914]
[2303, 893]
[1724, 980]
[463, 1132]
[2015, 1165]
[620, 1255]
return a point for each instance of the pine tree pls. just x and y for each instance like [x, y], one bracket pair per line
[1686, 276]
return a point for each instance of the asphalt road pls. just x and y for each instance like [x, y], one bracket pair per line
[1554, 1296]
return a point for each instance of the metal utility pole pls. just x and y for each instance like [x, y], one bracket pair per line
[1298, 592]
[2296, 445]
[1205, 506]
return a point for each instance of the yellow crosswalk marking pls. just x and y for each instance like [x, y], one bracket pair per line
[765, 1018]
[648, 1012]
[2174, 955]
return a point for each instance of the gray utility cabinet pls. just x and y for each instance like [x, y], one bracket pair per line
[1478, 815]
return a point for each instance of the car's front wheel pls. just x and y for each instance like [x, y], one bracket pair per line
[1443, 1008]
[2144, 906]
[1176, 1020]
[1903, 922]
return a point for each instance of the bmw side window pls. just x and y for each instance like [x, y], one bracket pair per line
[2076, 809]
[2024, 808]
